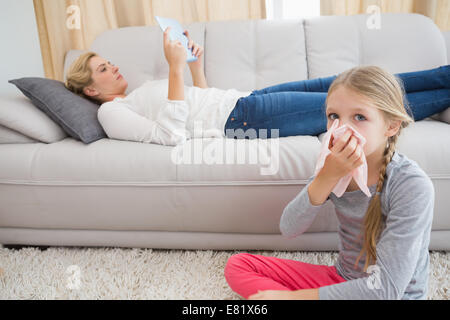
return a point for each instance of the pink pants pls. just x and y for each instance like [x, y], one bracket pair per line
[247, 273]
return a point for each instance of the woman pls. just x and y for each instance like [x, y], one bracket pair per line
[167, 112]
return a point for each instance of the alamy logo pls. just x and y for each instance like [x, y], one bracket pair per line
[374, 20]
[74, 19]
[261, 151]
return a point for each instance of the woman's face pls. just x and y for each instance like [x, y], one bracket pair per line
[108, 83]
[355, 110]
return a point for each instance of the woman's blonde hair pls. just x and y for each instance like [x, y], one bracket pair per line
[386, 92]
[79, 76]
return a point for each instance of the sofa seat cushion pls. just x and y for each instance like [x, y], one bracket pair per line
[110, 162]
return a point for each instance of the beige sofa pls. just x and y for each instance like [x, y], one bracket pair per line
[56, 191]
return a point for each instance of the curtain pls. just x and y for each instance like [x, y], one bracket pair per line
[437, 10]
[64, 25]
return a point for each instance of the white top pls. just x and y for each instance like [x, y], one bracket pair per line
[147, 115]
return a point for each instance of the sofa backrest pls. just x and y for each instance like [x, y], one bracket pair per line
[404, 43]
[254, 54]
[447, 41]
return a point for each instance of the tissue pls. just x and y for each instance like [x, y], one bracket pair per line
[358, 174]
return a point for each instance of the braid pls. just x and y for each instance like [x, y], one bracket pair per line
[387, 157]
[373, 220]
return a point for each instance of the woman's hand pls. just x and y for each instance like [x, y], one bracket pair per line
[197, 51]
[346, 155]
[197, 70]
[174, 52]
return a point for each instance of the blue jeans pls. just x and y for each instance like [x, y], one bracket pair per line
[298, 108]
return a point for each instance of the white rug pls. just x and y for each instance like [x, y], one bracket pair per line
[105, 273]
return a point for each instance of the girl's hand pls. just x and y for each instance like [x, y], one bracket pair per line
[273, 295]
[197, 51]
[174, 52]
[346, 155]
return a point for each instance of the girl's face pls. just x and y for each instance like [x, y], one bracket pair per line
[357, 111]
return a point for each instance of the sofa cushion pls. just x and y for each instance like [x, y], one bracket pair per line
[254, 54]
[77, 116]
[17, 113]
[8, 136]
[332, 45]
[404, 43]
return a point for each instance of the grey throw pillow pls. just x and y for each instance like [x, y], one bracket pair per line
[76, 116]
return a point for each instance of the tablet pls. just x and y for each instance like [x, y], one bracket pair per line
[176, 33]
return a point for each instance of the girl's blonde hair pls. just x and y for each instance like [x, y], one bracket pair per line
[79, 76]
[386, 92]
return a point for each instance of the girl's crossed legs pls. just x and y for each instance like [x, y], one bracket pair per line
[247, 273]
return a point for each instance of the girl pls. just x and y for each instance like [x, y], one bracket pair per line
[383, 248]
[166, 111]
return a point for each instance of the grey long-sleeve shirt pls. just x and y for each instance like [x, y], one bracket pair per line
[402, 266]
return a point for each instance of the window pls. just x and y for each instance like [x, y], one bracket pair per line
[292, 9]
